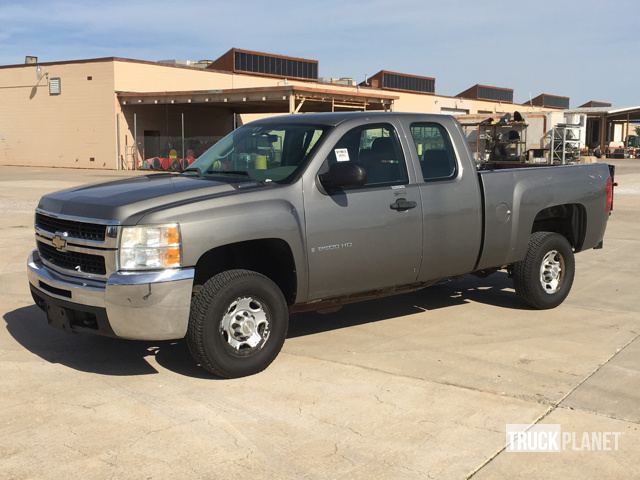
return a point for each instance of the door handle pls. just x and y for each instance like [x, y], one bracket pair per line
[402, 204]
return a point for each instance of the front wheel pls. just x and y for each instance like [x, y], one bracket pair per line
[238, 323]
[544, 277]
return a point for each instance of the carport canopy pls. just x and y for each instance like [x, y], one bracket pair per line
[609, 116]
[279, 99]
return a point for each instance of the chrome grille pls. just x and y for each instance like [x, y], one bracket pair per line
[74, 261]
[81, 230]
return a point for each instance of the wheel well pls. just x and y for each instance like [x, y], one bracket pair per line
[569, 220]
[271, 257]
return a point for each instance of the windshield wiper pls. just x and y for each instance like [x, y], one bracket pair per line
[228, 172]
[193, 169]
[240, 173]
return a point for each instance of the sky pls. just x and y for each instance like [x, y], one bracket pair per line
[582, 49]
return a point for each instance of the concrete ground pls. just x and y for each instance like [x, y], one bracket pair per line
[415, 386]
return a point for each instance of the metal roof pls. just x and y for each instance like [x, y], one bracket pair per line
[267, 99]
[605, 110]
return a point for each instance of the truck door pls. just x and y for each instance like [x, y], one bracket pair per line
[369, 237]
[451, 201]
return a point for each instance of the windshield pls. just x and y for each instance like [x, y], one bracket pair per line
[265, 153]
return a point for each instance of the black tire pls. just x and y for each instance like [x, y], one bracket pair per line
[208, 342]
[527, 272]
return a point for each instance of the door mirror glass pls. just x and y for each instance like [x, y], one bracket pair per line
[344, 175]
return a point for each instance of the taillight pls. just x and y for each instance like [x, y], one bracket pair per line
[609, 203]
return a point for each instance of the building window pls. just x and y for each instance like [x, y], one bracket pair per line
[405, 82]
[554, 101]
[55, 86]
[454, 111]
[498, 94]
[271, 65]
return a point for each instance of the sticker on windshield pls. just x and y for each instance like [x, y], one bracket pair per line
[342, 154]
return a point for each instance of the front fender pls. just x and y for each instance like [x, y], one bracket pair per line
[265, 213]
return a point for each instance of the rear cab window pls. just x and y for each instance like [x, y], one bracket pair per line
[376, 148]
[435, 151]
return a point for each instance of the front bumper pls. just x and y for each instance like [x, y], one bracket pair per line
[137, 306]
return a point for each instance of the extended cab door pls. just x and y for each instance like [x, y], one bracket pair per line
[368, 237]
[451, 199]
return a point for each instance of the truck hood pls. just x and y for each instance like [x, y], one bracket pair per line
[122, 199]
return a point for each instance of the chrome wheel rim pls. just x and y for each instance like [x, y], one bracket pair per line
[245, 326]
[551, 272]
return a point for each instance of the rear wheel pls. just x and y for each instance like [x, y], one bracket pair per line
[238, 323]
[545, 276]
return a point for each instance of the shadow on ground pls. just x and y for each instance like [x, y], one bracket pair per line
[108, 356]
[495, 290]
[92, 353]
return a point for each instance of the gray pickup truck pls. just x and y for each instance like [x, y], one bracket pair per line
[305, 212]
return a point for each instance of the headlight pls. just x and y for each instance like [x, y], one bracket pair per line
[150, 247]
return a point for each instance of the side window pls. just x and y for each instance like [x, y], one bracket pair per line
[375, 148]
[434, 149]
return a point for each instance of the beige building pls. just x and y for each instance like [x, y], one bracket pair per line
[116, 113]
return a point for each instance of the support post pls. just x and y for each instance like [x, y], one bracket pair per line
[626, 138]
[182, 127]
[552, 152]
[299, 105]
[135, 140]
[603, 135]
[118, 162]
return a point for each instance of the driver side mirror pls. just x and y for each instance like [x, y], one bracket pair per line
[344, 175]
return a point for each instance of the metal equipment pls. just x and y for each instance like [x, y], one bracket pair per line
[504, 140]
[564, 143]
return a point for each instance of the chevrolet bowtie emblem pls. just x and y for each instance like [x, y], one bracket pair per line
[59, 242]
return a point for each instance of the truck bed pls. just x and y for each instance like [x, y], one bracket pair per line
[514, 197]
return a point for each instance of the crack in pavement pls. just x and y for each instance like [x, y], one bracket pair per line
[523, 398]
[599, 414]
[556, 405]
